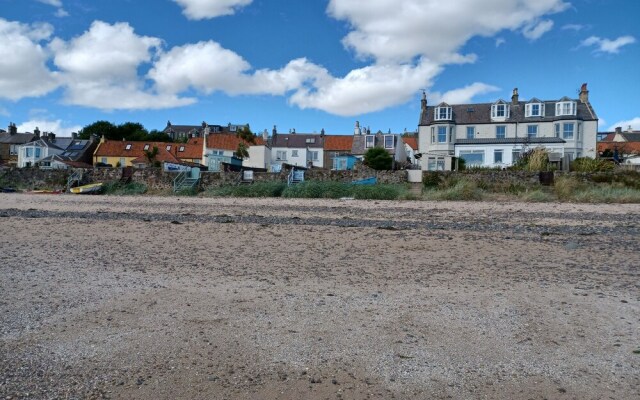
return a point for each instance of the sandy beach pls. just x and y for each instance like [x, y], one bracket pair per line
[203, 298]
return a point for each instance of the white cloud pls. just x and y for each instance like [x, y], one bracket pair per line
[573, 27]
[59, 127]
[463, 95]
[205, 9]
[535, 30]
[500, 41]
[60, 12]
[96, 73]
[23, 70]
[398, 31]
[4, 112]
[606, 45]
[634, 123]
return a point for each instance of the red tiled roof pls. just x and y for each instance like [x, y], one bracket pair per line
[226, 141]
[623, 147]
[411, 142]
[338, 143]
[115, 148]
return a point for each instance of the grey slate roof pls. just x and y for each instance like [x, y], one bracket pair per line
[297, 140]
[18, 138]
[480, 113]
[539, 140]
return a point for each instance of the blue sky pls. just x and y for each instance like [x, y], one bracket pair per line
[307, 65]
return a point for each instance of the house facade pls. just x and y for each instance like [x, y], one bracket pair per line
[297, 149]
[495, 134]
[10, 141]
[184, 132]
[337, 152]
[41, 148]
[223, 146]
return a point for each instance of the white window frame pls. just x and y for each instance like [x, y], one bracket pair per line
[385, 141]
[146, 147]
[565, 131]
[369, 141]
[294, 153]
[168, 148]
[128, 146]
[310, 140]
[471, 132]
[532, 135]
[281, 155]
[528, 110]
[496, 152]
[445, 134]
[505, 131]
[313, 155]
[433, 134]
[496, 111]
[463, 152]
[566, 108]
[181, 148]
[442, 113]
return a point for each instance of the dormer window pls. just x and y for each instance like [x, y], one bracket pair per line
[369, 141]
[146, 147]
[168, 148]
[534, 109]
[443, 112]
[500, 111]
[127, 147]
[388, 142]
[565, 108]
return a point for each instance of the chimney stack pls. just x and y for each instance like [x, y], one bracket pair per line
[357, 131]
[36, 132]
[618, 129]
[423, 106]
[265, 135]
[514, 97]
[274, 131]
[13, 129]
[74, 135]
[584, 93]
[322, 132]
[52, 137]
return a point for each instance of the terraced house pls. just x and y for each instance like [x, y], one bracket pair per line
[132, 154]
[495, 134]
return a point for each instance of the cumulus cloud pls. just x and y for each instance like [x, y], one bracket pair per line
[536, 30]
[606, 45]
[573, 27]
[463, 95]
[634, 123]
[392, 30]
[59, 127]
[98, 74]
[60, 12]
[205, 9]
[23, 70]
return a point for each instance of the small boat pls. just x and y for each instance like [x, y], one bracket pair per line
[87, 189]
[366, 181]
[7, 190]
[46, 192]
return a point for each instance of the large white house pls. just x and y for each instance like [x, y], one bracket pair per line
[495, 134]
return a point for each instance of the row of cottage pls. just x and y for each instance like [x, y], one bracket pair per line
[483, 134]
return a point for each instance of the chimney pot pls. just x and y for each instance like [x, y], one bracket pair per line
[584, 93]
[618, 129]
[514, 96]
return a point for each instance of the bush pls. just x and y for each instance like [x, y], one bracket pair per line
[565, 187]
[431, 179]
[378, 158]
[585, 164]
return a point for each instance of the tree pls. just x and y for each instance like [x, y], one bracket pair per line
[158, 136]
[245, 134]
[151, 155]
[242, 151]
[378, 158]
[99, 128]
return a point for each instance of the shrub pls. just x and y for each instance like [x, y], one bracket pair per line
[378, 158]
[538, 160]
[607, 194]
[585, 164]
[431, 179]
[565, 187]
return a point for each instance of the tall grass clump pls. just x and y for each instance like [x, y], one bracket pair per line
[607, 194]
[378, 192]
[537, 196]
[116, 188]
[565, 187]
[586, 164]
[463, 189]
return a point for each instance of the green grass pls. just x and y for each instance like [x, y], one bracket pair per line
[118, 189]
[462, 190]
[257, 189]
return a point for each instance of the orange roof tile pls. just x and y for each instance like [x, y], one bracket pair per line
[226, 141]
[166, 151]
[338, 143]
[623, 147]
[411, 142]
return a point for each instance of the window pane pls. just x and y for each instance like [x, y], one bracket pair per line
[567, 131]
[501, 131]
[471, 132]
[532, 131]
[442, 134]
[472, 157]
[497, 156]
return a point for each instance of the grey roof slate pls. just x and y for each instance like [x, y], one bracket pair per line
[297, 140]
[481, 113]
[18, 138]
